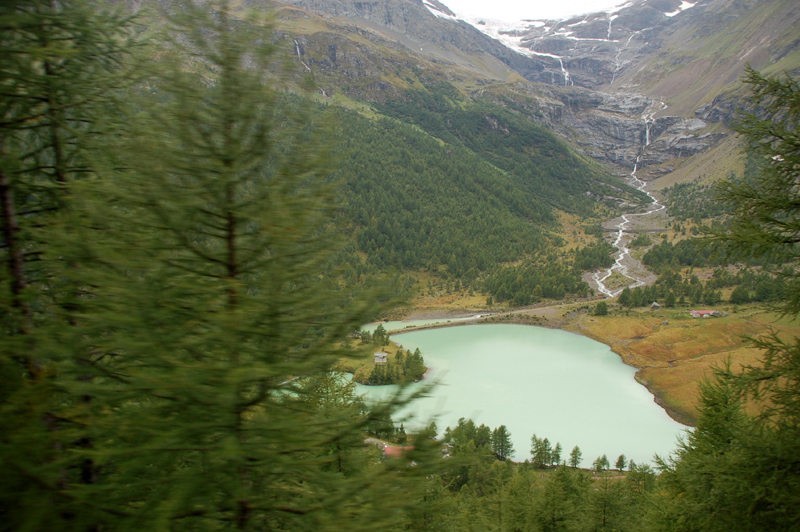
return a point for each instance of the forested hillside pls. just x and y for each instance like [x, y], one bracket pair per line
[459, 187]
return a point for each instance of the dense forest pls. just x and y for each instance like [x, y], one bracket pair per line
[746, 286]
[430, 205]
[457, 187]
[172, 304]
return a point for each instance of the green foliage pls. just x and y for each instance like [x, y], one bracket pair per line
[533, 158]
[712, 472]
[702, 252]
[765, 218]
[379, 336]
[562, 500]
[466, 435]
[601, 309]
[600, 463]
[501, 443]
[737, 471]
[531, 282]
[60, 65]
[415, 203]
[457, 187]
[691, 252]
[595, 256]
[693, 201]
[642, 240]
[400, 368]
[543, 453]
[175, 364]
[750, 286]
[575, 456]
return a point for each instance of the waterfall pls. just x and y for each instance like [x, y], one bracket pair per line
[618, 56]
[567, 79]
[610, 20]
[564, 71]
[620, 241]
[648, 120]
[300, 55]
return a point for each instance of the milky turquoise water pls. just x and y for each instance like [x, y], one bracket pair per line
[534, 380]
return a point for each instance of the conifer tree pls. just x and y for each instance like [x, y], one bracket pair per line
[555, 457]
[501, 443]
[561, 501]
[737, 471]
[61, 63]
[214, 298]
[191, 383]
[575, 456]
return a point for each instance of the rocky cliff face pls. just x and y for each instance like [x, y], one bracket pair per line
[428, 28]
[661, 74]
[621, 128]
[655, 74]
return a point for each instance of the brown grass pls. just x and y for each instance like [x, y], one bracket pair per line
[674, 352]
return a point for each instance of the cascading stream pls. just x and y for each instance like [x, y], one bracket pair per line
[623, 234]
[300, 55]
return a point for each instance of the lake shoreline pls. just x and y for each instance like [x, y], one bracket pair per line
[564, 316]
[481, 356]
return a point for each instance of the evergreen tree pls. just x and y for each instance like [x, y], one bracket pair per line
[575, 456]
[707, 481]
[541, 452]
[379, 336]
[555, 458]
[737, 471]
[606, 505]
[600, 463]
[194, 390]
[414, 365]
[560, 503]
[765, 217]
[626, 298]
[61, 63]
[501, 443]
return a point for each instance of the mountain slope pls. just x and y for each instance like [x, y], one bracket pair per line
[704, 56]
[443, 40]
[685, 59]
[450, 134]
[438, 176]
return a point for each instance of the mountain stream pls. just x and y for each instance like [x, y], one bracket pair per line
[627, 266]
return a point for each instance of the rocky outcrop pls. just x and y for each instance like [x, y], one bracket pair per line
[416, 27]
[617, 127]
[596, 48]
[596, 79]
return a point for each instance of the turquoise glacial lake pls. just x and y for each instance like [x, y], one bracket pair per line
[534, 380]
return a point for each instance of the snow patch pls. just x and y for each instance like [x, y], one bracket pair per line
[437, 11]
[510, 35]
[683, 7]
